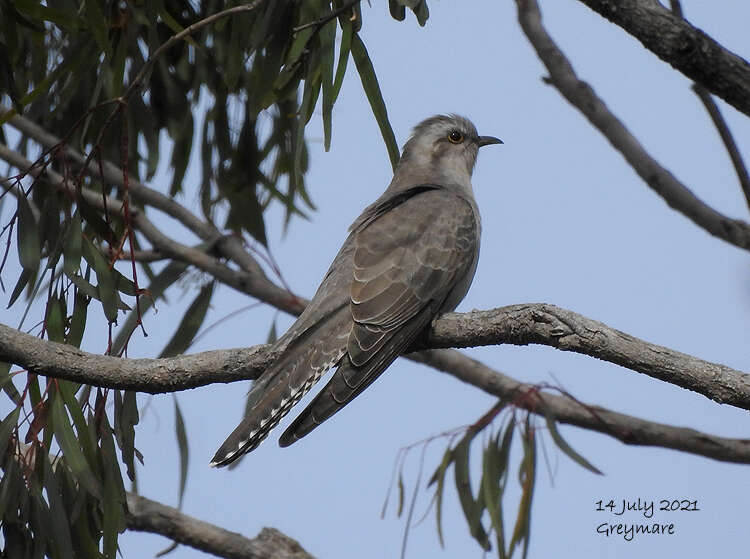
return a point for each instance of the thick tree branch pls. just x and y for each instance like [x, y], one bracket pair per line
[516, 324]
[685, 47]
[520, 324]
[539, 323]
[145, 515]
[582, 96]
[565, 409]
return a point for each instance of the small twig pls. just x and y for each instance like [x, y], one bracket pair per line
[726, 137]
[721, 125]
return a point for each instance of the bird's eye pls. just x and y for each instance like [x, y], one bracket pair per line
[455, 137]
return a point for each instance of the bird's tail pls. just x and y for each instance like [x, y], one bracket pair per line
[296, 371]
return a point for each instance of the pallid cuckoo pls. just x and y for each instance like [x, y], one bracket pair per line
[410, 256]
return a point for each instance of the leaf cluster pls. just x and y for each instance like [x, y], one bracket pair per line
[235, 95]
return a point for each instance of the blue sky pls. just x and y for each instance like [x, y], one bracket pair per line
[565, 221]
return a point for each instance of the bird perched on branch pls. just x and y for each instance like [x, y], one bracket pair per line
[410, 256]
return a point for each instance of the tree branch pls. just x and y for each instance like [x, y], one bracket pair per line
[719, 123]
[245, 280]
[685, 47]
[540, 323]
[582, 96]
[565, 409]
[516, 324]
[145, 515]
[229, 245]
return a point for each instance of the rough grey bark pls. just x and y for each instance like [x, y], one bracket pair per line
[145, 515]
[566, 409]
[532, 323]
[684, 46]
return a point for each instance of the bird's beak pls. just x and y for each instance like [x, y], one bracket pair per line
[487, 140]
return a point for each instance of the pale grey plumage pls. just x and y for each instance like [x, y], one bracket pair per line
[410, 256]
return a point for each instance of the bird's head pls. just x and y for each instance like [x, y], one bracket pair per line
[442, 149]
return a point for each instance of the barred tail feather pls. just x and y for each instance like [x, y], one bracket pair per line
[288, 380]
[350, 380]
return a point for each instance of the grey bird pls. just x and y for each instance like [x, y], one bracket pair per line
[410, 256]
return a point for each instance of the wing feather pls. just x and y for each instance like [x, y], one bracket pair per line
[406, 264]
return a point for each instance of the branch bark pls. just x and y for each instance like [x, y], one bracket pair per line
[685, 47]
[533, 323]
[566, 409]
[520, 324]
[145, 515]
[584, 98]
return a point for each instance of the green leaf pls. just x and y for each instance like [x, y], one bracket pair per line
[183, 144]
[85, 287]
[71, 448]
[37, 11]
[60, 523]
[105, 280]
[344, 52]
[29, 249]
[118, 66]
[73, 243]
[272, 335]
[124, 284]
[400, 493]
[527, 479]
[472, 508]
[439, 477]
[190, 323]
[567, 449]
[182, 443]
[246, 211]
[298, 46]
[95, 221]
[23, 280]
[78, 320]
[6, 428]
[68, 391]
[126, 418]
[235, 53]
[494, 468]
[397, 9]
[49, 229]
[55, 319]
[112, 501]
[6, 383]
[309, 98]
[422, 12]
[98, 26]
[327, 38]
[175, 26]
[375, 97]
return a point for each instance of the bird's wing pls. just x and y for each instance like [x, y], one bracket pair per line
[313, 344]
[406, 263]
